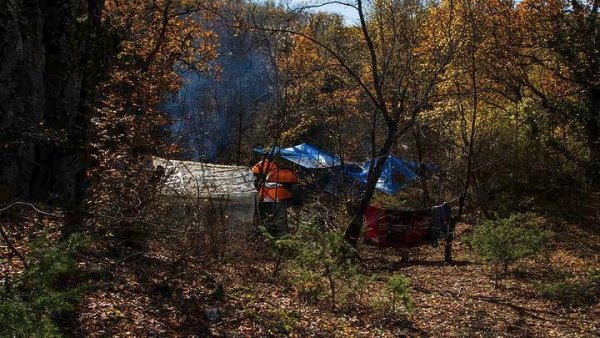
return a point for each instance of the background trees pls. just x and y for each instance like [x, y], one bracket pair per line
[503, 95]
[562, 42]
[156, 39]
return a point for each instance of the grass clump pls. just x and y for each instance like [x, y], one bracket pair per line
[395, 298]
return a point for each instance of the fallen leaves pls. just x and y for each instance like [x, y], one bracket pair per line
[149, 295]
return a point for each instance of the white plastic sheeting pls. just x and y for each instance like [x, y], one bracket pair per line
[227, 189]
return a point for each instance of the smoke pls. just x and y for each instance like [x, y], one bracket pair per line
[213, 113]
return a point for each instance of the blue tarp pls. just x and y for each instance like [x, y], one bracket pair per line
[397, 172]
[395, 175]
[304, 155]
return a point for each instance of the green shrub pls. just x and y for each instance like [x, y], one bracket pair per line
[282, 248]
[318, 263]
[395, 298]
[282, 322]
[397, 286]
[46, 291]
[507, 240]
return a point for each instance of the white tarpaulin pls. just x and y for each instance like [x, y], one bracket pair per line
[229, 188]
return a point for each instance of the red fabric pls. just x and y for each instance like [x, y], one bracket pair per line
[393, 228]
[372, 216]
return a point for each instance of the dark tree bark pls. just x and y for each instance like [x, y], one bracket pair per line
[46, 91]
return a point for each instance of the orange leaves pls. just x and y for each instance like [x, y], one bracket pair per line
[153, 38]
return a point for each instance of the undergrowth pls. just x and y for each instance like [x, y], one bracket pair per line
[40, 301]
[317, 262]
[574, 293]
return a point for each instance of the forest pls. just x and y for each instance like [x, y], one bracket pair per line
[262, 168]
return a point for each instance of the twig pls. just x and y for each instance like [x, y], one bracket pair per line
[11, 246]
[31, 206]
[5, 235]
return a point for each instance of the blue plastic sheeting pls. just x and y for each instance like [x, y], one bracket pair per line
[304, 155]
[395, 175]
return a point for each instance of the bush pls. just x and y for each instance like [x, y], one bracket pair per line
[398, 285]
[282, 248]
[507, 240]
[44, 293]
[395, 298]
[318, 262]
[282, 322]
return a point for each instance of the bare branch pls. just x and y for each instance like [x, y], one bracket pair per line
[323, 4]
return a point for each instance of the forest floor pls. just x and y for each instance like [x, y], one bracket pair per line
[155, 292]
[152, 294]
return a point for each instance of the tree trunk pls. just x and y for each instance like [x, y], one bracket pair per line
[470, 141]
[51, 65]
[44, 64]
[355, 227]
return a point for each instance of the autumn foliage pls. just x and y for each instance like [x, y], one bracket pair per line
[156, 40]
[502, 96]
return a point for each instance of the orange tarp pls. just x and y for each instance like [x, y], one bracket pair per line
[274, 193]
[264, 167]
[282, 176]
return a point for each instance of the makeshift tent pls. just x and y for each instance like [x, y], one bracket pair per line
[273, 192]
[264, 167]
[395, 175]
[304, 155]
[397, 172]
[228, 189]
[282, 176]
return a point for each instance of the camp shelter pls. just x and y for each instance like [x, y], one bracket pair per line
[304, 155]
[226, 190]
[396, 174]
[330, 175]
[264, 167]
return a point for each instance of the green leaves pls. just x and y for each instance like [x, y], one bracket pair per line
[398, 286]
[507, 240]
[45, 290]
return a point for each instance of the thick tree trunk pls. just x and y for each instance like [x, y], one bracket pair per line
[41, 88]
[38, 100]
[22, 95]
[51, 65]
